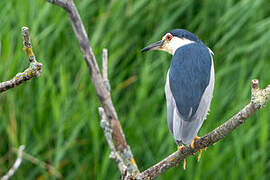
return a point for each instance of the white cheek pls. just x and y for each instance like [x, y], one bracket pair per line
[175, 43]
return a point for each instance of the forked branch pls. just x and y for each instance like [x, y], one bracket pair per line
[33, 70]
[120, 150]
[102, 90]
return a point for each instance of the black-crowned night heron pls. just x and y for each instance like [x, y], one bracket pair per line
[189, 85]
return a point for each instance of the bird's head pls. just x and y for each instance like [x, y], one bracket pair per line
[172, 40]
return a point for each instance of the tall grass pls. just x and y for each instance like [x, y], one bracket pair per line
[56, 116]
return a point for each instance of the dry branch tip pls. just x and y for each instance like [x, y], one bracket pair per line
[34, 69]
[16, 164]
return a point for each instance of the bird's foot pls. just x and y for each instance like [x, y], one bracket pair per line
[192, 146]
[193, 142]
[179, 148]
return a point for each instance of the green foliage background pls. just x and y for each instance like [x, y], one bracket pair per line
[56, 118]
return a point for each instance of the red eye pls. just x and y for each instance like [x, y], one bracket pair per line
[169, 37]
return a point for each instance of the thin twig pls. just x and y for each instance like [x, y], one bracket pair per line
[103, 93]
[104, 122]
[33, 70]
[105, 64]
[42, 164]
[27, 47]
[259, 99]
[124, 160]
[16, 165]
[105, 69]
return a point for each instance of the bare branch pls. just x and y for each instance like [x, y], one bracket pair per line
[103, 93]
[33, 70]
[111, 125]
[105, 64]
[259, 99]
[42, 164]
[124, 160]
[27, 47]
[108, 134]
[105, 69]
[16, 165]
[61, 3]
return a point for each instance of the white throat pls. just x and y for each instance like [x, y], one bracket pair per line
[174, 44]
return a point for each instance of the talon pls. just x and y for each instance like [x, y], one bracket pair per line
[179, 148]
[132, 161]
[193, 142]
[184, 164]
[192, 146]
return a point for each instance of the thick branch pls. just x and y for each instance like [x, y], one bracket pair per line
[34, 69]
[259, 99]
[108, 134]
[102, 92]
[61, 3]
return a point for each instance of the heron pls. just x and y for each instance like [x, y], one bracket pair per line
[189, 84]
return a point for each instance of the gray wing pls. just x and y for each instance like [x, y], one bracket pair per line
[190, 93]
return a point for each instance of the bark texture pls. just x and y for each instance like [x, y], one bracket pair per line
[120, 151]
[34, 70]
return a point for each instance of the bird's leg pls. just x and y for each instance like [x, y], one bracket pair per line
[200, 154]
[192, 146]
[179, 148]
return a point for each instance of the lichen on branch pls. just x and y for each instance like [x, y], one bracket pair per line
[34, 69]
[259, 98]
